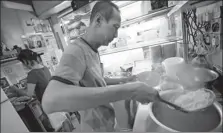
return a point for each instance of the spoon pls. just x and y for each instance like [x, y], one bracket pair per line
[170, 94]
[172, 105]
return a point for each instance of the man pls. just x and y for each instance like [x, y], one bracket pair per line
[78, 83]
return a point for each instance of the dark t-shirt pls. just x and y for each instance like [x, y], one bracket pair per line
[41, 78]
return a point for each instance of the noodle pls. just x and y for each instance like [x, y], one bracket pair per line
[193, 100]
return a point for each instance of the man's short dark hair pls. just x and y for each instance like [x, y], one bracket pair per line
[105, 8]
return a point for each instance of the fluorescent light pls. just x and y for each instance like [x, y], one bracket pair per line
[14, 5]
[177, 7]
[119, 3]
[131, 10]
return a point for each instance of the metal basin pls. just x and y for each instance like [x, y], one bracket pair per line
[164, 119]
[196, 77]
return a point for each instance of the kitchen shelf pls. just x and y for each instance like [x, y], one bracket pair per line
[71, 29]
[150, 14]
[8, 60]
[139, 45]
[125, 4]
[74, 37]
[40, 50]
[75, 20]
[87, 14]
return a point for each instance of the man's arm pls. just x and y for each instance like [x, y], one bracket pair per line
[30, 89]
[69, 98]
[18, 91]
[115, 81]
[60, 97]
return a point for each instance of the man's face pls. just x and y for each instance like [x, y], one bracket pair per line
[108, 30]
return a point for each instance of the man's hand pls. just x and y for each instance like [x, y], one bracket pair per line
[131, 78]
[115, 81]
[145, 94]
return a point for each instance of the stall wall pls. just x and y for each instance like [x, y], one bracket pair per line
[14, 71]
[13, 26]
[10, 27]
[214, 54]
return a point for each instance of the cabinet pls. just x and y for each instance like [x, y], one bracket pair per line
[10, 120]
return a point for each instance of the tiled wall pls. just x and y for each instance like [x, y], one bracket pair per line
[13, 26]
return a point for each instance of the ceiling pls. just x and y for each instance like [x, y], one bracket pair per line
[43, 9]
[27, 2]
[43, 6]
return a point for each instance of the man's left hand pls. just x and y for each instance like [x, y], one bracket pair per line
[131, 78]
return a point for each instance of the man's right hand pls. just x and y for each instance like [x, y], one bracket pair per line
[145, 93]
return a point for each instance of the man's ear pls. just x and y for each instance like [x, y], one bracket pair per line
[99, 20]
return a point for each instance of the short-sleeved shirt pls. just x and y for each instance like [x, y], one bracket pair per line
[41, 78]
[80, 64]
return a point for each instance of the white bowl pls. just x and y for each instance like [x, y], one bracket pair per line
[150, 78]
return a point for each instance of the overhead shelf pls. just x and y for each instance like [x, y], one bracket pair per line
[140, 45]
[75, 37]
[39, 50]
[150, 14]
[123, 3]
[153, 13]
[88, 13]
[8, 60]
[86, 8]
[91, 4]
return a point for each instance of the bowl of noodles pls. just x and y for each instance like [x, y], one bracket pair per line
[193, 101]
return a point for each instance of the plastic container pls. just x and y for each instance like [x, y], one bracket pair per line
[173, 65]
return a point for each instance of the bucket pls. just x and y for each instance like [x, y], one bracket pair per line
[173, 65]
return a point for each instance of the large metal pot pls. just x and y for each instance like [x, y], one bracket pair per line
[196, 77]
[164, 119]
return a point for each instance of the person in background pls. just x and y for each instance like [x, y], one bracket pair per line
[78, 83]
[18, 49]
[39, 59]
[37, 79]
[38, 75]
